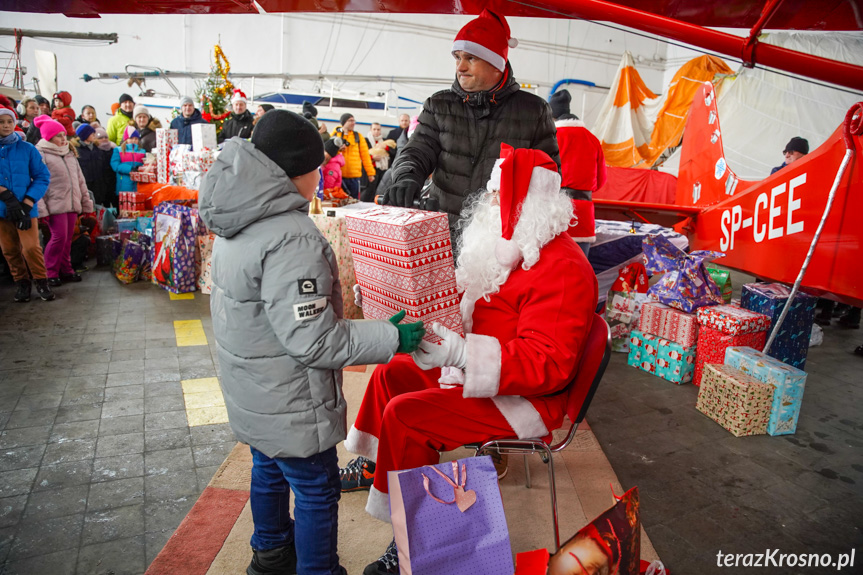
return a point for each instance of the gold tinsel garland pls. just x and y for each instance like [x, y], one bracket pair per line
[224, 68]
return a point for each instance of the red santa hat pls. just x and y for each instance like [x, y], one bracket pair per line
[487, 37]
[239, 96]
[519, 172]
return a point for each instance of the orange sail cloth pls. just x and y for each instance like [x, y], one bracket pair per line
[635, 125]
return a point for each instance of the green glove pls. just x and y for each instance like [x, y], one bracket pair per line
[410, 334]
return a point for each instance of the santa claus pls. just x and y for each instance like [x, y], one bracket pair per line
[528, 297]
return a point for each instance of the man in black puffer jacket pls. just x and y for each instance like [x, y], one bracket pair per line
[240, 122]
[460, 130]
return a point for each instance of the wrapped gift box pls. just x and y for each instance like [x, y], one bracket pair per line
[204, 136]
[166, 139]
[132, 201]
[335, 229]
[126, 224]
[622, 312]
[686, 284]
[712, 344]
[205, 248]
[787, 381]
[403, 260]
[669, 323]
[791, 344]
[143, 177]
[736, 401]
[732, 320]
[105, 250]
[662, 357]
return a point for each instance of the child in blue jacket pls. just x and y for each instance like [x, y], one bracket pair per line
[126, 158]
[23, 181]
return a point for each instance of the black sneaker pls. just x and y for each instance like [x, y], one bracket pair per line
[54, 282]
[43, 290]
[70, 278]
[387, 563]
[358, 475]
[22, 294]
[279, 561]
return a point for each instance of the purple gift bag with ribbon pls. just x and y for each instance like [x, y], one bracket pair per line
[686, 285]
[448, 519]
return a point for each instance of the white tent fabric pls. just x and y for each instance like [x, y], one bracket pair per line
[760, 110]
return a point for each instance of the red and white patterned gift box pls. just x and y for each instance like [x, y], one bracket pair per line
[143, 177]
[732, 320]
[165, 140]
[712, 344]
[403, 260]
[669, 323]
[736, 401]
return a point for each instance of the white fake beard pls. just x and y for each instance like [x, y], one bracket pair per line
[478, 272]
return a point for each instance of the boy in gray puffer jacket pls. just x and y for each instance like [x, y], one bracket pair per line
[282, 340]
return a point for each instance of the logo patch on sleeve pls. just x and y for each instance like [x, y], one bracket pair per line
[310, 309]
[308, 286]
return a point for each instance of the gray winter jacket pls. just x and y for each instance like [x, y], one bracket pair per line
[459, 136]
[277, 310]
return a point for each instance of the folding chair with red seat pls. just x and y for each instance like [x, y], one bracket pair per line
[580, 390]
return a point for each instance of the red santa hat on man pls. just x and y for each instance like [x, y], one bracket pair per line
[487, 37]
[239, 96]
[518, 173]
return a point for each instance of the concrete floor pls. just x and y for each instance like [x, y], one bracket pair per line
[109, 435]
[704, 490]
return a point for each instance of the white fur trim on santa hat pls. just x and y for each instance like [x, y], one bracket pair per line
[572, 123]
[482, 373]
[362, 443]
[521, 415]
[507, 253]
[544, 183]
[480, 51]
[239, 97]
[378, 505]
[494, 179]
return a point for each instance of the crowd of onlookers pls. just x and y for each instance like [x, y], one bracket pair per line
[59, 166]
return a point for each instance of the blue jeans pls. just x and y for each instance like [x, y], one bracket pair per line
[352, 185]
[315, 527]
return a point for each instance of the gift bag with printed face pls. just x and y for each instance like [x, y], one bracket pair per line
[448, 519]
[623, 306]
[686, 284]
[611, 543]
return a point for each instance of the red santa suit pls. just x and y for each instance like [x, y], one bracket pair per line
[523, 347]
[582, 168]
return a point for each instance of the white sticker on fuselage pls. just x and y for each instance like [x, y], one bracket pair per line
[310, 309]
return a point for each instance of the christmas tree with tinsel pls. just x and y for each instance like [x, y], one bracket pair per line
[215, 91]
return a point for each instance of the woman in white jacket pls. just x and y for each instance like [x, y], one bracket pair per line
[67, 196]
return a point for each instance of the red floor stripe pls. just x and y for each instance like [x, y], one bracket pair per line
[199, 538]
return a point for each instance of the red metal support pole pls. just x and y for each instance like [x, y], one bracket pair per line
[826, 70]
[748, 51]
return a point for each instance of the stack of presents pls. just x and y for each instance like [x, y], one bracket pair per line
[168, 243]
[686, 329]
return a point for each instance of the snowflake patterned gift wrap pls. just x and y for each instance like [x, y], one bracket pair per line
[403, 260]
[335, 229]
[787, 381]
[165, 140]
[736, 401]
[791, 344]
[669, 323]
[712, 344]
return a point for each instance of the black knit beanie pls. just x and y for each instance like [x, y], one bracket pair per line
[126, 98]
[309, 109]
[345, 117]
[289, 140]
[559, 103]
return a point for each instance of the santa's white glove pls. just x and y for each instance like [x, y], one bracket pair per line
[450, 352]
[358, 296]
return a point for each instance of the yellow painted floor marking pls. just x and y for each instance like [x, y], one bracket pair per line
[175, 296]
[204, 402]
[189, 332]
